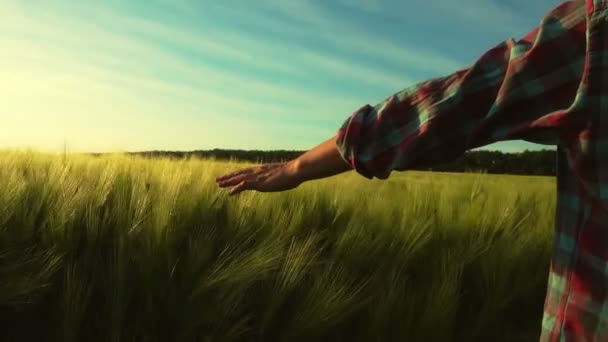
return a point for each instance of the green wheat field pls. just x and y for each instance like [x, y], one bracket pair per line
[122, 248]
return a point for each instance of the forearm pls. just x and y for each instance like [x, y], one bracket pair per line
[322, 161]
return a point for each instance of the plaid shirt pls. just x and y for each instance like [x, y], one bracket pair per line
[549, 87]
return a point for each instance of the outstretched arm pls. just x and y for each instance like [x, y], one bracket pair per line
[517, 90]
[322, 161]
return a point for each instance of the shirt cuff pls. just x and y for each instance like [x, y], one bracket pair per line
[350, 140]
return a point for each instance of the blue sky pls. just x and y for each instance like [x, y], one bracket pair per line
[184, 75]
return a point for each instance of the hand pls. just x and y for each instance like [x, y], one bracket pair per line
[263, 178]
[322, 161]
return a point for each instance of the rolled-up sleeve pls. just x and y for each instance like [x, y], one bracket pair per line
[517, 90]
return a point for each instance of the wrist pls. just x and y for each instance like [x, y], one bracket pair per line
[296, 169]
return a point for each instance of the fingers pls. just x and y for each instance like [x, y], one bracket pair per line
[234, 174]
[242, 186]
[254, 178]
[235, 180]
[250, 170]
[245, 182]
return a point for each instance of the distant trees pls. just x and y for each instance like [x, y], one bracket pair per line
[525, 163]
[254, 156]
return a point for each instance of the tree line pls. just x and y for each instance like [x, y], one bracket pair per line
[494, 162]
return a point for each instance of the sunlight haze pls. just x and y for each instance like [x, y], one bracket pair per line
[187, 75]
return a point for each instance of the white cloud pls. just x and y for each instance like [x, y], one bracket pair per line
[133, 62]
[307, 20]
[355, 36]
[273, 56]
[505, 19]
[107, 75]
[371, 6]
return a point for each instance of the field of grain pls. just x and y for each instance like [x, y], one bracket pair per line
[120, 248]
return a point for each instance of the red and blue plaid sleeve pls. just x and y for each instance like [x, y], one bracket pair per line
[517, 90]
[552, 84]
